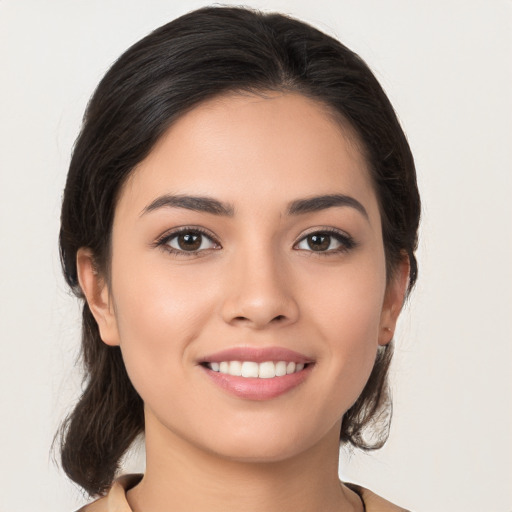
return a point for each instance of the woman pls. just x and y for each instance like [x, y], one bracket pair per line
[240, 218]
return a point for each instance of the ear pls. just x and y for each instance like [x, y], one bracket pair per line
[97, 294]
[393, 301]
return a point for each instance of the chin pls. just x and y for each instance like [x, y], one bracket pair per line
[277, 444]
[259, 453]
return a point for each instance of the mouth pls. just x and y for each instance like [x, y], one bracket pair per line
[255, 370]
[257, 374]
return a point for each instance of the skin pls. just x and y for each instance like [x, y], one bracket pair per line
[259, 285]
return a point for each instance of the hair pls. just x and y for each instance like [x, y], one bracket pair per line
[203, 54]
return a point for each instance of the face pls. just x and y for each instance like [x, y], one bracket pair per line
[248, 287]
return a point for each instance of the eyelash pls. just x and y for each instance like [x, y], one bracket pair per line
[346, 242]
[163, 241]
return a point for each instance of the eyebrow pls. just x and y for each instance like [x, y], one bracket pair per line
[317, 203]
[196, 203]
[216, 207]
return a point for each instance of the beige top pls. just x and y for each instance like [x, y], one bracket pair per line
[115, 500]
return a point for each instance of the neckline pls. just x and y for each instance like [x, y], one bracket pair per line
[131, 480]
[357, 490]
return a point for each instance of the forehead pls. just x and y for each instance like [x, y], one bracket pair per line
[247, 148]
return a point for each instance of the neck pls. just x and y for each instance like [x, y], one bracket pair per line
[181, 476]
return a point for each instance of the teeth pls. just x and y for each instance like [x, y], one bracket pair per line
[280, 368]
[290, 368]
[250, 369]
[265, 370]
[235, 368]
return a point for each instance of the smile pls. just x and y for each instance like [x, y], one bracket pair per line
[252, 369]
[258, 373]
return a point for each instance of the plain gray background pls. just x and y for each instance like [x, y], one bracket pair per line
[446, 67]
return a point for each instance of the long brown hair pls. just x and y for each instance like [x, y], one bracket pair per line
[195, 57]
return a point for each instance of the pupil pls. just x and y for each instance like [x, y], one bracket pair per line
[189, 241]
[319, 242]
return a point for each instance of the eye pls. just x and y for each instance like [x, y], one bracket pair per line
[326, 242]
[187, 240]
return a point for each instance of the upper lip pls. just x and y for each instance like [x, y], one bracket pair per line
[256, 354]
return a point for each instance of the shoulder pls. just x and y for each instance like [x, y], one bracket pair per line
[99, 505]
[373, 502]
[115, 500]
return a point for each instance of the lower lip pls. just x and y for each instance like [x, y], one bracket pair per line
[258, 389]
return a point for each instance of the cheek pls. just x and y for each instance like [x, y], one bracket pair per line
[158, 316]
[347, 301]
[346, 311]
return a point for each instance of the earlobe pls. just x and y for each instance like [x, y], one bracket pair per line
[393, 301]
[97, 295]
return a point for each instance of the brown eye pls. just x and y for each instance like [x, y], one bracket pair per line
[318, 241]
[190, 241]
[326, 242]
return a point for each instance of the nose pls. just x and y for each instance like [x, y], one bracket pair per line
[259, 292]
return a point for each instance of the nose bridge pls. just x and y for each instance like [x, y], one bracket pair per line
[258, 292]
